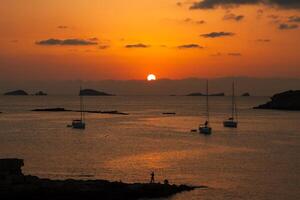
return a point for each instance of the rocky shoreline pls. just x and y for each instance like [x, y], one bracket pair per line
[15, 185]
[111, 112]
[289, 100]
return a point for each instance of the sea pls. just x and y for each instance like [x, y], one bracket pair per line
[258, 160]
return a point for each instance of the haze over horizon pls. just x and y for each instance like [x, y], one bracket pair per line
[255, 86]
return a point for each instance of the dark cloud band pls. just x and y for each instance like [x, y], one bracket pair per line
[217, 34]
[209, 4]
[190, 46]
[66, 42]
[140, 45]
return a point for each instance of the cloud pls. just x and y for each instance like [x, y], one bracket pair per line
[103, 47]
[200, 22]
[287, 26]
[190, 46]
[216, 54]
[210, 4]
[94, 39]
[62, 27]
[234, 17]
[179, 4]
[294, 19]
[273, 16]
[263, 40]
[66, 42]
[217, 34]
[140, 45]
[234, 54]
[191, 21]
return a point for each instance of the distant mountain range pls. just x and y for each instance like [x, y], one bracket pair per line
[254, 86]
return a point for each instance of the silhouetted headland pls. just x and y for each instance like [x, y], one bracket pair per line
[112, 112]
[169, 113]
[90, 92]
[16, 93]
[40, 93]
[289, 100]
[201, 94]
[247, 94]
[51, 110]
[15, 185]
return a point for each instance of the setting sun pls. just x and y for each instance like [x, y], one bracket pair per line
[151, 77]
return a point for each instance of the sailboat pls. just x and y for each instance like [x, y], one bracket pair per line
[205, 128]
[80, 123]
[232, 121]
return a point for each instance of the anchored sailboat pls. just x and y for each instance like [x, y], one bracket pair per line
[80, 123]
[232, 121]
[205, 128]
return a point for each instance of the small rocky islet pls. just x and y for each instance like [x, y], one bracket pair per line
[91, 92]
[16, 93]
[112, 112]
[201, 94]
[246, 94]
[15, 185]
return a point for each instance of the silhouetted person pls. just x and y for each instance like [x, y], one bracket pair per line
[206, 123]
[152, 177]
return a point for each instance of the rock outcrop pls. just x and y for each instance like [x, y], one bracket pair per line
[16, 93]
[15, 185]
[112, 112]
[201, 94]
[90, 92]
[51, 110]
[246, 94]
[40, 93]
[289, 100]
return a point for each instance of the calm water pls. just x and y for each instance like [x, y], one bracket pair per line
[259, 160]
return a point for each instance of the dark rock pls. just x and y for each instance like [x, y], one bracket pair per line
[195, 94]
[32, 187]
[113, 112]
[218, 95]
[289, 100]
[11, 166]
[169, 113]
[246, 94]
[200, 94]
[51, 110]
[41, 93]
[16, 93]
[90, 92]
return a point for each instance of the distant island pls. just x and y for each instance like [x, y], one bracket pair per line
[246, 94]
[201, 94]
[40, 93]
[112, 112]
[91, 92]
[16, 185]
[16, 93]
[289, 100]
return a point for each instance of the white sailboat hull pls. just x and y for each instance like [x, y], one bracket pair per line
[78, 124]
[205, 130]
[230, 124]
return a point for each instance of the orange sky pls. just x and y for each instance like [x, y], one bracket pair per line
[258, 47]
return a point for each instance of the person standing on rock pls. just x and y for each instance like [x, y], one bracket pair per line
[152, 177]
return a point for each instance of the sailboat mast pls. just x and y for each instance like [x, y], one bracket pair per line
[207, 105]
[233, 103]
[81, 105]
